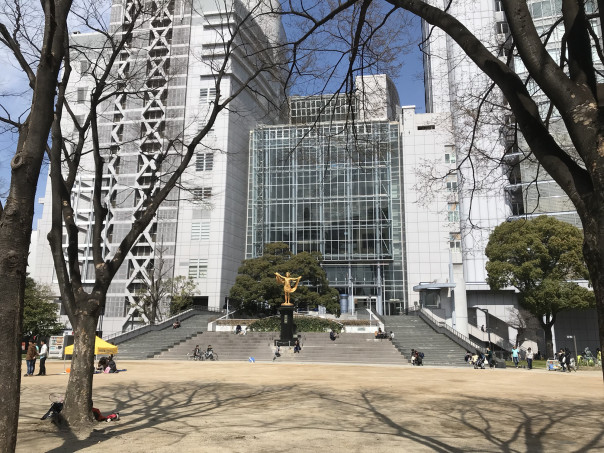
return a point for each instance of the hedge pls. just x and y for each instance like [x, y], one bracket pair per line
[303, 324]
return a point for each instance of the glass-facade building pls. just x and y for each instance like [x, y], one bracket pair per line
[332, 186]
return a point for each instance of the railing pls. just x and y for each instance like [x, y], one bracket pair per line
[495, 339]
[120, 337]
[440, 323]
[371, 316]
[212, 324]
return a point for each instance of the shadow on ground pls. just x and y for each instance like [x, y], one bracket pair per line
[226, 413]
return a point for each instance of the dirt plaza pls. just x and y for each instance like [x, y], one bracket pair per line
[178, 406]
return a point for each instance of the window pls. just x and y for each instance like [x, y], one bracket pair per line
[453, 212]
[204, 162]
[451, 183]
[502, 28]
[498, 5]
[455, 242]
[200, 231]
[82, 93]
[426, 127]
[207, 95]
[202, 193]
[198, 268]
[449, 154]
[84, 65]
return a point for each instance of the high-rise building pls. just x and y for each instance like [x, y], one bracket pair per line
[497, 182]
[340, 178]
[166, 79]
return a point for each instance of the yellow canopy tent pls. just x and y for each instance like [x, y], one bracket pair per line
[100, 347]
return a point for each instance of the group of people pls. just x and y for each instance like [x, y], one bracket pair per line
[417, 358]
[107, 365]
[208, 354]
[381, 335]
[33, 353]
[479, 359]
[297, 349]
[567, 363]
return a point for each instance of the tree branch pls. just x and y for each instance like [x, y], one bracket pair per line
[13, 45]
[567, 173]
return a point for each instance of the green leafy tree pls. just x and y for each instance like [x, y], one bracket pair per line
[181, 290]
[40, 317]
[541, 258]
[256, 289]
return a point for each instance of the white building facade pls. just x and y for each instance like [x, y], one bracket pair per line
[485, 136]
[199, 231]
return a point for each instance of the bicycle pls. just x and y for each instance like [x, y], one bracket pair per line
[193, 356]
[209, 356]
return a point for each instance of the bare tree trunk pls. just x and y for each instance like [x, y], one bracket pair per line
[549, 340]
[78, 398]
[17, 216]
[15, 230]
[593, 250]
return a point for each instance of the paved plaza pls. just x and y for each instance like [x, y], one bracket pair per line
[276, 407]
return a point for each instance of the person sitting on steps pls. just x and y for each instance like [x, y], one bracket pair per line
[176, 324]
[209, 352]
[197, 352]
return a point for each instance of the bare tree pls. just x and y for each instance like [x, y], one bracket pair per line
[525, 323]
[575, 95]
[129, 64]
[570, 85]
[41, 67]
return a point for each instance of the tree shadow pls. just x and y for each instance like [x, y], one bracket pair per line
[441, 424]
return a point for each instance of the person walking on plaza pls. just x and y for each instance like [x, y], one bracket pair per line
[529, 358]
[30, 358]
[515, 356]
[43, 356]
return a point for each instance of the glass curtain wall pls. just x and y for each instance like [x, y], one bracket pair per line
[332, 188]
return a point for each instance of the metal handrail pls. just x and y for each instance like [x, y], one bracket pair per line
[441, 323]
[372, 315]
[211, 324]
[165, 323]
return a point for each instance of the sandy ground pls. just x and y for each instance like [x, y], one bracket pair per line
[274, 407]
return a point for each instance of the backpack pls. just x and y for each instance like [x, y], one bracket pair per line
[421, 354]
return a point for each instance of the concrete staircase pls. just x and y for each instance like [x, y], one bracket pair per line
[316, 347]
[153, 343]
[411, 332]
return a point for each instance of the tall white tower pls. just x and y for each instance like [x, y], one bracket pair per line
[174, 56]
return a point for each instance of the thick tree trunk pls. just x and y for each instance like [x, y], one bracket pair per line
[593, 250]
[15, 231]
[549, 339]
[17, 216]
[78, 398]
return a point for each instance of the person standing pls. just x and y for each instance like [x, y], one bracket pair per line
[43, 355]
[30, 358]
[529, 358]
[490, 360]
[515, 356]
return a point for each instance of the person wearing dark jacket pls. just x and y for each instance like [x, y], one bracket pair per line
[30, 358]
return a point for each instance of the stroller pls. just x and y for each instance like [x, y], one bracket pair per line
[56, 406]
[479, 362]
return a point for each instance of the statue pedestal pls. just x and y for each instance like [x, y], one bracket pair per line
[287, 326]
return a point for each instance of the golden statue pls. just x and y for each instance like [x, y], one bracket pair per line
[287, 285]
